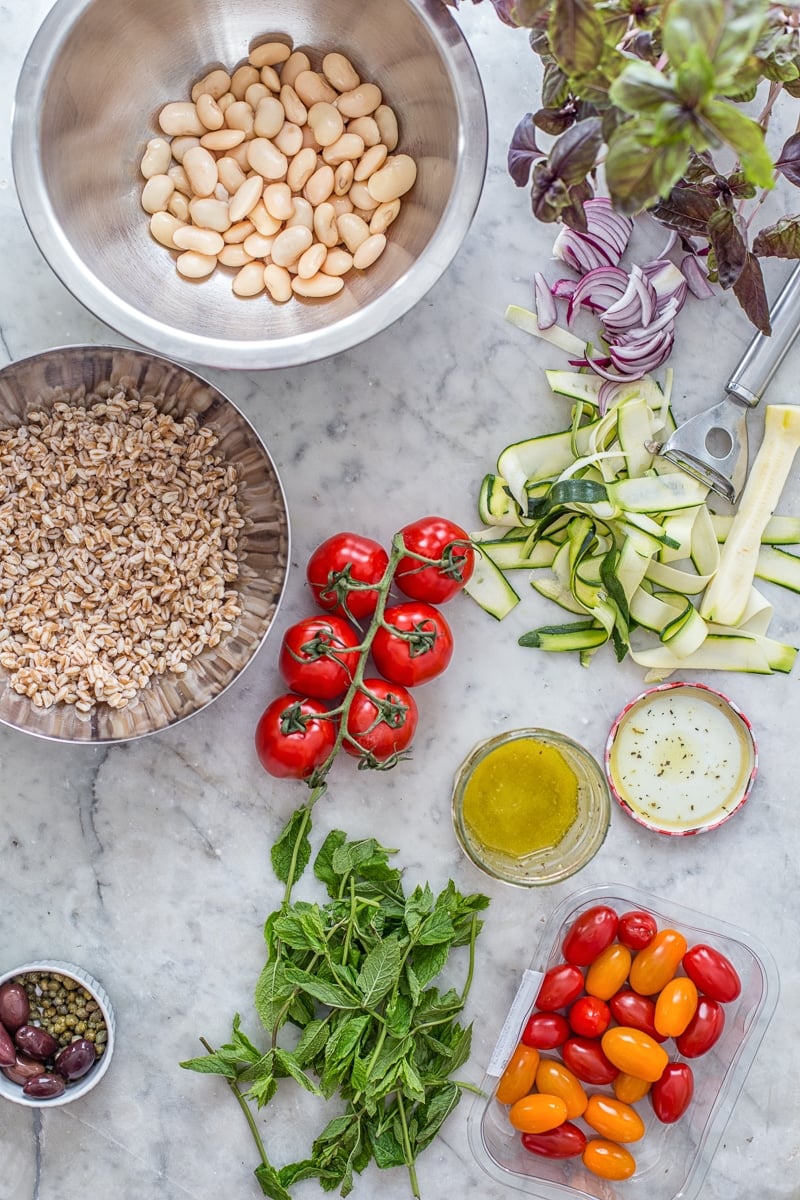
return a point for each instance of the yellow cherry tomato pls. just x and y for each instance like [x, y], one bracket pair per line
[629, 1088]
[634, 1052]
[654, 966]
[613, 1119]
[517, 1079]
[675, 1006]
[608, 1160]
[538, 1113]
[553, 1078]
[608, 972]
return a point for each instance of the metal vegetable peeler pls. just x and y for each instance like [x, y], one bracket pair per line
[712, 446]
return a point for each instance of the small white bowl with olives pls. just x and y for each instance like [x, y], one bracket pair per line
[56, 1033]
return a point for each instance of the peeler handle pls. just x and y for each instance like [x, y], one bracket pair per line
[765, 354]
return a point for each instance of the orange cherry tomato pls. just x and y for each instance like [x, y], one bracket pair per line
[629, 1089]
[613, 1119]
[537, 1113]
[553, 1078]
[517, 1079]
[654, 966]
[675, 1006]
[608, 972]
[634, 1052]
[608, 1160]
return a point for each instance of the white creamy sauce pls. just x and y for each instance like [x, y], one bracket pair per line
[681, 758]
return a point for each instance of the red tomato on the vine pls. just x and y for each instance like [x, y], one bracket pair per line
[316, 656]
[341, 560]
[293, 738]
[417, 645]
[442, 540]
[385, 731]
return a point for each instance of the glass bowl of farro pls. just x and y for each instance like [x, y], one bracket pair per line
[144, 543]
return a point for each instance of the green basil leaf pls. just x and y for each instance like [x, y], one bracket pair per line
[743, 135]
[640, 88]
[639, 173]
[694, 78]
[577, 35]
[726, 30]
[296, 828]
[730, 247]
[781, 240]
[379, 972]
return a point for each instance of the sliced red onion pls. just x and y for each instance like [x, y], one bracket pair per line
[667, 280]
[563, 289]
[597, 290]
[606, 395]
[546, 312]
[696, 278]
[602, 244]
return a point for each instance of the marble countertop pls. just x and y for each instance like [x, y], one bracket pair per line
[148, 862]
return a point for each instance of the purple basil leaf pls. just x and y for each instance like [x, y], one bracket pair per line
[573, 155]
[574, 213]
[749, 290]
[555, 86]
[523, 151]
[687, 210]
[789, 160]
[730, 246]
[781, 240]
[505, 11]
[554, 121]
[549, 194]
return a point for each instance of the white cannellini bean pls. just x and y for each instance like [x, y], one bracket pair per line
[204, 241]
[371, 160]
[343, 178]
[386, 121]
[297, 61]
[210, 214]
[221, 192]
[325, 227]
[341, 204]
[231, 175]
[269, 54]
[369, 251]
[226, 101]
[310, 261]
[278, 201]
[209, 112]
[394, 179]
[265, 157]
[215, 84]
[309, 139]
[201, 170]
[234, 255]
[293, 106]
[367, 130]
[360, 101]
[327, 123]
[289, 139]
[353, 230]
[289, 244]
[222, 140]
[340, 72]
[301, 168]
[179, 117]
[241, 79]
[384, 215]
[258, 246]
[156, 158]
[156, 193]
[278, 283]
[320, 185]
[317, 286]
[239, 155]
[163, 226]
[250, 280]
[180, 179]
[179, 146]
[359, 194]
[179, 206]
[312, 87]
[337, 261]
[270, 79]
[263, 222]
[192, 265]
[238, 232]
[303, 214]
[246, 198]
[255, 94]
[269, 117]
[240, 116]
[349, 145]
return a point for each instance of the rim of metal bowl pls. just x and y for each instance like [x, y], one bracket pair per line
[136, 350]
[297, 349]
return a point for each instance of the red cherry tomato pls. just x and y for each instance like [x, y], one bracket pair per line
[381, 732]
[589, 935]
[293, 738]
[634, 1052]
[435, 538]
[586, 1059]
[629, 1008]
[343, 558]
[654, 966]
[589, 1017]
[561, 985]
[672, 1093]
[417, 645]
[704, 1029]
[545, 1030]
[636, 929]
[714, 974]
[565, 1141]
[608, 1160]
[517, 1079]
[316, 656]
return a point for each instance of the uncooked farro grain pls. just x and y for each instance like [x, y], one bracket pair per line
[119, 529]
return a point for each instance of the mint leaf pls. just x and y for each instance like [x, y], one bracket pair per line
[323, 863]
[744, 136]
[262, 1090]
[437, 1109]
[379, 972]
[343, 1043]
[273, 990]
[319, 987]
[302, 928]
[417, 907]
[289, 1065]
[312, 1042]
[292, 840]
[270, 1182]
[211, 1064]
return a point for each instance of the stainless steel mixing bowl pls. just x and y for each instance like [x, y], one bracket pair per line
[94, 80]
[263, 546]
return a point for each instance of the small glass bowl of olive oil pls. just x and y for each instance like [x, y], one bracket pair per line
[530, 806]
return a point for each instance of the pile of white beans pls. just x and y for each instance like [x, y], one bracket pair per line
[285, 174]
